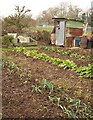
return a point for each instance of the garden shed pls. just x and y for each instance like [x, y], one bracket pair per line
[62, 35]
[59, 31]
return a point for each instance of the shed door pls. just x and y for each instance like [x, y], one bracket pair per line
[60, 33]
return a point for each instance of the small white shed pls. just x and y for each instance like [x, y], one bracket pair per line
[60, 29]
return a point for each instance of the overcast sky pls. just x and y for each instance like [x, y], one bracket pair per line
[36, 6]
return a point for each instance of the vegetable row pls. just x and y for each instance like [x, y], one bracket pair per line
[84, 71]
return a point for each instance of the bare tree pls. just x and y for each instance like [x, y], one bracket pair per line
[18, 21]
[73, 11]
[44, 18]
[53, 12]
[19, 16]
[63, 6]
[64, 9]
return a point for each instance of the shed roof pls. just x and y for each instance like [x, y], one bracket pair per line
[68, 19]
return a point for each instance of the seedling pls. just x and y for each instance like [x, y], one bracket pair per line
[36, 89]
[70, 113]
[48, 85]
[54, 99]
[29, 75]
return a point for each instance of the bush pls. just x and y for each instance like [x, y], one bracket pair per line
[7, 40]
[41, 35]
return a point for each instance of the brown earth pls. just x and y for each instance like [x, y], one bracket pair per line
[19, 101]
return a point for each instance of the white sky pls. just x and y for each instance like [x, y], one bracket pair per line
[7, 6]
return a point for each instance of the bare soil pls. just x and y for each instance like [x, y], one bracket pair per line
[19, 101]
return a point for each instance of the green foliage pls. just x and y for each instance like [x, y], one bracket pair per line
[56, 61]
[20, 49]
[36, 89]
[90, 58]
[77, 109]
[42, 56]
[7, 40]
[67, 64]
[54, 99]
[73, 108]
[10, 66]
[86, 71]
[48, 85]
[64, 52]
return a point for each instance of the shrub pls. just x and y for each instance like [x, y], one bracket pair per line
[41, 35]
[7, 40]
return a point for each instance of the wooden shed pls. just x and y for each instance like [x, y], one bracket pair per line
[59, 34]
